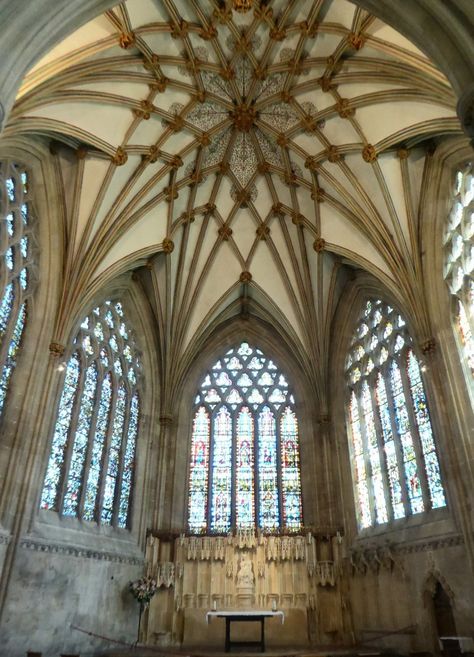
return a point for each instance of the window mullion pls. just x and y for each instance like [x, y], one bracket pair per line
[105, 458]
[368, 467]
[71, 436]
[420, 461]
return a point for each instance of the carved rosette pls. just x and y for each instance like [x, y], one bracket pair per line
[168, 245]
[369, 153]
[319, 244]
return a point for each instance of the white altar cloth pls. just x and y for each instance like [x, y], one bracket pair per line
[245, 613]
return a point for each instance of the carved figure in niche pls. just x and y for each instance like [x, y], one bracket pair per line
[245, 578]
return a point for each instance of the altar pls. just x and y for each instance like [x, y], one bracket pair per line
[254, 615]
[295, 578]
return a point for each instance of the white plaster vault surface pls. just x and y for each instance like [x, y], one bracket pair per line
[280, 142]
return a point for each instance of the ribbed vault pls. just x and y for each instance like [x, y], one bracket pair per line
[259, 151]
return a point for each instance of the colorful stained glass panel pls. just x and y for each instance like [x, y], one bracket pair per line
[269, 511]
[290, 470]
[199, 472]
[244, 475]
[221, 472]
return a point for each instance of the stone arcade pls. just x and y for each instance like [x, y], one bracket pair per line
[236, 323]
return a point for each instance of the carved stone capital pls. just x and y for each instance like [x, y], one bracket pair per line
[56, 349]
[428, 346]
[465, 110]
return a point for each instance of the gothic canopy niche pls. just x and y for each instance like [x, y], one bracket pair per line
[270, 142]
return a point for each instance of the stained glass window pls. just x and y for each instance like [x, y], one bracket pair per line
[244, 464]
[459, 260]
[17, 281]
[395, 465]
[91, 464]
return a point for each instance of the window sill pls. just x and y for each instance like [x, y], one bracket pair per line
[421, 526]
[66, 532]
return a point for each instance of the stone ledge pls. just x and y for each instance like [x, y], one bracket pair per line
[71, 550]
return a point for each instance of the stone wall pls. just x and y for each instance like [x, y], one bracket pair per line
[392, 598]
[57, 588]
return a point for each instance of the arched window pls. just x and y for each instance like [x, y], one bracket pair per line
[395, 466]
[459, 260]
[16, 276]
[91, 465]
[244, 470]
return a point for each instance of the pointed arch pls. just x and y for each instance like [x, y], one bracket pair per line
[91, 463]
[244, 462]
[396, 471]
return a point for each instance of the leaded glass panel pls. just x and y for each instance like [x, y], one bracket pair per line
[395, 466]
[17, 280]
[90, 468]
[244, 463]
[459, 260]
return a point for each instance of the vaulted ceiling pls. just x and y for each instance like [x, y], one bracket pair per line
[259, 151]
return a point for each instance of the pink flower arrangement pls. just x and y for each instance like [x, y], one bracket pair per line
[143, 589]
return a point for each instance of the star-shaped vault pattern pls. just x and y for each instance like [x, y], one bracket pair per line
[238, 156]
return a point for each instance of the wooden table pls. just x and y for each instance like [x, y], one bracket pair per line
[250, 615]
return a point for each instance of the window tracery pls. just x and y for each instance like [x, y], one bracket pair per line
[395, 466]
[459, 260]
[17, 277]
[91, 465]
[244, 464]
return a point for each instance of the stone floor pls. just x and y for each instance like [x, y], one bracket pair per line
[320, 651]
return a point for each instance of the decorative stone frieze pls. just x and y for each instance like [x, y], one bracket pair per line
[75, 551]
